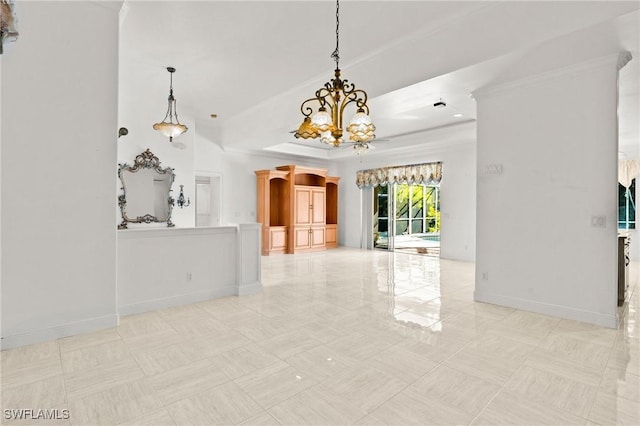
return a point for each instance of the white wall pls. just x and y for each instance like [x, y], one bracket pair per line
[138, 110]
[59, 124]
[457, 192]
[555, 137]
[239, 192]
[159, 268]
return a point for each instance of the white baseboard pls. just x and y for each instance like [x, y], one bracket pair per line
[59, 331]
[251, 288]
[604, 320]
[182, 299]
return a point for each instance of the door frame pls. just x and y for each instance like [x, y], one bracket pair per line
[215, 194]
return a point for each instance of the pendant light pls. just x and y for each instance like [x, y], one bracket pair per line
[167, 126]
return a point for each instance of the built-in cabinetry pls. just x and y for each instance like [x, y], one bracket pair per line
[331, 233]
[298, 209]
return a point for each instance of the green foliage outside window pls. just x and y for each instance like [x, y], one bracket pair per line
[410, 208]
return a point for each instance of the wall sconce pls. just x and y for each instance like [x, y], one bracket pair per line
[181, 201]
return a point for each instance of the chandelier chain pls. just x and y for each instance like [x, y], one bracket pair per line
[336, 53]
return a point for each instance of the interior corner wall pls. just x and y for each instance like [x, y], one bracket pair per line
[457, 192]
[547, 162]
[59, 124]
[237, 171]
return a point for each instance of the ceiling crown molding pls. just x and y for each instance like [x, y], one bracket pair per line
[589, 65]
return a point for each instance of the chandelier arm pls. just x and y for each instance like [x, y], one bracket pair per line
[353, 97]
[362, 101]
[327, 86]
[307, 111]
[323, 94]
[348, 87]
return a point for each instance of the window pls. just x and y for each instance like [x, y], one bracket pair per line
[627, 206]
[381, 225]
[417, 209]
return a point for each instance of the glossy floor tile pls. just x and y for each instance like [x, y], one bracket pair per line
[339, 337]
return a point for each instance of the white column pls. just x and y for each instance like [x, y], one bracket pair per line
[249, 259]
[59, 128]
[547, 193]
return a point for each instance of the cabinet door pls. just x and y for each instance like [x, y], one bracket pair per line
[302, 238]
[331, 236]
[303, 206]
[318, 202]
[278, 239]
[317, 237]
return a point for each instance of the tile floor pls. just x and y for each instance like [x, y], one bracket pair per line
[342, 337]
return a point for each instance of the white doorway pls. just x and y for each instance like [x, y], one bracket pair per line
[208, 194]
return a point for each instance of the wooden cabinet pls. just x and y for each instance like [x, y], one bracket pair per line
[298, 209]
[277, 239]
[331, 205]
[331, 235]
[309, 238]
[309, 206]
[273, 211]
[302, 206]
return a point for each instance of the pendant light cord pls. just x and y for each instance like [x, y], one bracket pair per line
[336, 53]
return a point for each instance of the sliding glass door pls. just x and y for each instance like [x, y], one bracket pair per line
[407, 217]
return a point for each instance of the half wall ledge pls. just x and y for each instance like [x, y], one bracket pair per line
[165, 267]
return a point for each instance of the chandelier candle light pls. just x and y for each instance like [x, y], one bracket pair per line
[169, 128]
[326, 123]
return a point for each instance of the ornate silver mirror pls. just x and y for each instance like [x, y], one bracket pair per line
[146, 191]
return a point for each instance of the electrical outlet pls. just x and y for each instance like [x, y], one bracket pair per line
[189, 276]
[485, 276]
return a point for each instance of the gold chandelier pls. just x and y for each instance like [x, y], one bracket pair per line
[169, 128]
[327, 122]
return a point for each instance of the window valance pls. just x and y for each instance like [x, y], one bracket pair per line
[427, 174]
[627, 170]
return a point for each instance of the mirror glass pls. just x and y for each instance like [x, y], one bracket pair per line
[146, 191]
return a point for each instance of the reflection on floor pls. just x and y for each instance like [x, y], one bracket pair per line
[339, 337]
[427, 243]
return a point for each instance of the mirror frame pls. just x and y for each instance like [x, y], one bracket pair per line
[145, 160]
